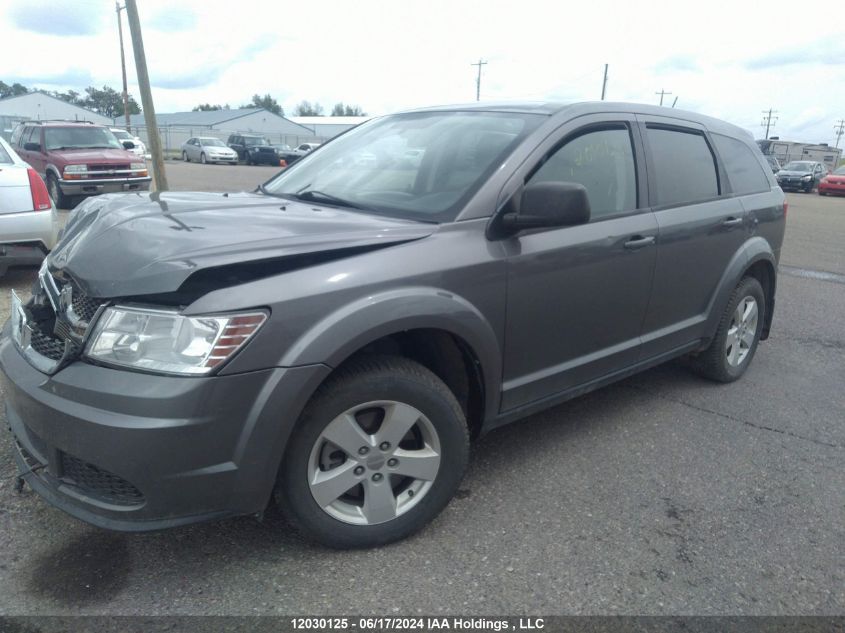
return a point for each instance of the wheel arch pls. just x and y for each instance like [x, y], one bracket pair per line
[434, 327]
[755, 258]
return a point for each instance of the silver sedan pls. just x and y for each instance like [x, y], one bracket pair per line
[206, 149]
[28, 220]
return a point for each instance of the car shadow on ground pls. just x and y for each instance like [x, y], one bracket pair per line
[91, 566]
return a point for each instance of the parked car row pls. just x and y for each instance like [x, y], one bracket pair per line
[253, 149]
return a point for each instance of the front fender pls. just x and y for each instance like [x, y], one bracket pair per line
[345, 331]
[754, 250]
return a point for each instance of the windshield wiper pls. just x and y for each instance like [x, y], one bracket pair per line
[312, 195]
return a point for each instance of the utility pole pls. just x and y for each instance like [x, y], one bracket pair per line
[769, 120]
[479, 63]
[839, 128]
[604, 83]
[146, 96]
[118, 9]
[674, 102]
[662, 93]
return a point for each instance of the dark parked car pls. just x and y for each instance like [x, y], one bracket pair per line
[78, 159]
[801, 175]
[254, 149]
[339, 336]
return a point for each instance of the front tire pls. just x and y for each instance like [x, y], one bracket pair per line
[377, 453]
[185, 157]
[61, 200]
[732, 349]
[203, 159]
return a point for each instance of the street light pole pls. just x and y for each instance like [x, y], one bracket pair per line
[118, 9]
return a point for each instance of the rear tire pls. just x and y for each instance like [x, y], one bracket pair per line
[733, 347]
[405, 449]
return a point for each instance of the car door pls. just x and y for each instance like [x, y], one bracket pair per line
[577, 295]
[701, 227]
[36, 158]
[196, 149]
[818, 174]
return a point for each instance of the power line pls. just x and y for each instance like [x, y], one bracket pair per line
[769, 120]
[479, 63]
[662, 93]
[839, 128]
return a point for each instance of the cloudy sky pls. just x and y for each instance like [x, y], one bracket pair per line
[727, 59]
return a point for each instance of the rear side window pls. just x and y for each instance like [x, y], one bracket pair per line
[602, 161]
[744, 170]
[16, 135]
[684, 165]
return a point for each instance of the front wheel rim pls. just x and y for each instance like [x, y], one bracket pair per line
[53, 190]
[742, 331]
[374, 462]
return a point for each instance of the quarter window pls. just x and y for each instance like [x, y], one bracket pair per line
[603, 162]
[744, 170]
[685, 170]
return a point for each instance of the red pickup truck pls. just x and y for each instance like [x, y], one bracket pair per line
[79, 159]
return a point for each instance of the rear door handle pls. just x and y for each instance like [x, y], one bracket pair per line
[732, 222]
[638, 241]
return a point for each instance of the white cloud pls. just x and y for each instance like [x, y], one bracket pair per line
[726, 59]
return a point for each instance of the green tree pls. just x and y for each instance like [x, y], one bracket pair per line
[306, 108]
[207, 107]
[267, 102]
[108, 102]
[12, 91]
[340, 109]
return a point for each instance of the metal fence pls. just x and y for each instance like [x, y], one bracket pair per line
[8, 123]
[172, 136]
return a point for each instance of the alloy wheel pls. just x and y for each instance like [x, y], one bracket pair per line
[374, 462]
[742, 331]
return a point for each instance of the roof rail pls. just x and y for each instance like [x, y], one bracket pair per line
[40, 121]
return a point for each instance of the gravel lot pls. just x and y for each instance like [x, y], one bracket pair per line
[662, 494]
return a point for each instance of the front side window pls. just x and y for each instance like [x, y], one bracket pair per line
[744, 170]
[369, 168]
[684, 165]
[602, 161]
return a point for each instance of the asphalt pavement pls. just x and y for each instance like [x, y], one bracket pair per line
[661, 494]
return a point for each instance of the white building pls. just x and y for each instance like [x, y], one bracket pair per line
[177, 127]
[40, 106]
[326, 127]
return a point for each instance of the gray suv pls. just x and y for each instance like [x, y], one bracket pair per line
[339, 336]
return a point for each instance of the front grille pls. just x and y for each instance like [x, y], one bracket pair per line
[46, 345]
[99, 484]
[84, 306]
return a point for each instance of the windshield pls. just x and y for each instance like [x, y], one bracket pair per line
[251, 140]
[799, 166]
[81, 137]
[212, 142]
[123, 135]
[421, 165]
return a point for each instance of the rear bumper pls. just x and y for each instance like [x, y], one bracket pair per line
[134, 452]
[94, 187]
[266, 158]
[26, 236]
[22, 255]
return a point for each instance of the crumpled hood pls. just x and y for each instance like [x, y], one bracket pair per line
[783, 172]
[135, 244]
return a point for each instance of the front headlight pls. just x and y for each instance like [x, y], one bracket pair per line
[807, 177]
[167, 342]
[76, 169]
[137, 166]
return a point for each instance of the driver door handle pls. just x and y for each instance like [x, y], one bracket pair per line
[732, 221]
[638, 241]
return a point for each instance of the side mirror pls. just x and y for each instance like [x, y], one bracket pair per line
[128, 145]
[32, 147]
[549, 204]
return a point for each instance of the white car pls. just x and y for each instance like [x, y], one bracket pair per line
[122, 135]
[29, 224]
[207, 149]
